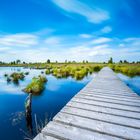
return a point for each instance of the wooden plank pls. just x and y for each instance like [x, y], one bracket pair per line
[107, 96]
[110, 92]
[108, 100]
[123, 113]
[110, 105]
[98, 126]
[110, 88]
[129, 122]
[42, 136]
[68, 132]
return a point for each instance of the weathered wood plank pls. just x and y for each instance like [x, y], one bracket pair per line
[42, 136]
[101, 127]
[110, 92]
[68, 132]
[129, 122]
[108, 100]
[123, 113]
[110, 105]
[107, 96]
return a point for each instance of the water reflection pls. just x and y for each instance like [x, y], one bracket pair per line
[132, 82]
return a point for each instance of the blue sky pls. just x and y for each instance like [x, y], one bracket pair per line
[35, 30]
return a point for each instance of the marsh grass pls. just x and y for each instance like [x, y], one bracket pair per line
[127, 69]
[36, 86]
[16, 76]
[74, 70]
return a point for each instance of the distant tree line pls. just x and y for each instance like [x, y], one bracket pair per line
[110, 61]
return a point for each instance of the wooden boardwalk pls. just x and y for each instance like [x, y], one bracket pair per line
[106, 109]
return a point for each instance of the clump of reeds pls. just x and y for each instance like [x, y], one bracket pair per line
[15, 77]
[36, 86]
[128, 69]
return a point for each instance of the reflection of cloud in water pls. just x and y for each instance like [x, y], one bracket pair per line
[52, 87]
[10, 89]
[132, 82]
[17, 117]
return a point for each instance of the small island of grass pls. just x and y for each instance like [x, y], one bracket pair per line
[14, 77]
[36, 86]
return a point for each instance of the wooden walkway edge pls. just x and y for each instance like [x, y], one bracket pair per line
[105, 109]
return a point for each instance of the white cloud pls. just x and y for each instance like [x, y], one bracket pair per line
[106, 29]
[85, 35]
[52, 41]
[19, 40]
[93, 15]
[67, 47]
[4, 49]
[100, 40]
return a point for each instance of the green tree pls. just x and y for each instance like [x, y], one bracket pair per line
[48, 61]
[125, 61]
[110, 61]
[121, 61]
[83, 61]
[66, 61]
[18, 61]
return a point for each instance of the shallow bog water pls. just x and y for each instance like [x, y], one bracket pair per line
[132, 82]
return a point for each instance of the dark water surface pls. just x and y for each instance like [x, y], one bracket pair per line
[13, 124]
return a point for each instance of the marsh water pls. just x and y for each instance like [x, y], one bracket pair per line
[13, 123]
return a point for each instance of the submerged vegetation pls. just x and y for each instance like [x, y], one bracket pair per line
[36, 86]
